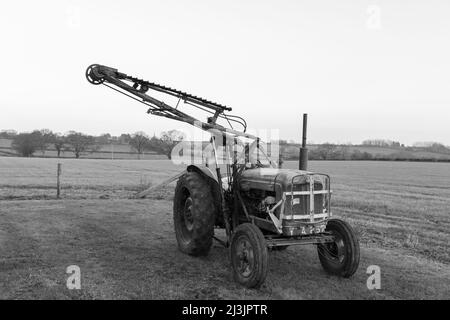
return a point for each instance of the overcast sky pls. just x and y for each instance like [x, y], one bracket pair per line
[360, 69]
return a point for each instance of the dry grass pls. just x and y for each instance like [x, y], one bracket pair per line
[35, 178]
[126, 248]
[396, 205]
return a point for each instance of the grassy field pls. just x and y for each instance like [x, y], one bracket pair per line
[105, 151]
[126, 248]
[35, 178]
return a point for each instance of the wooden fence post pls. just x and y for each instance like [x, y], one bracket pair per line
[58, 183]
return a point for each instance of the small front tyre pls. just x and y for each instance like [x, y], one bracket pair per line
[340, 257]
[249, 257]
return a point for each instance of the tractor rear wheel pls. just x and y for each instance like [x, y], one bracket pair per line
[340, 257]
[194, 214]
[249, 257]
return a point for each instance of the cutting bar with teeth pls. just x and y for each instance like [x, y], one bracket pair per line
[138, 89]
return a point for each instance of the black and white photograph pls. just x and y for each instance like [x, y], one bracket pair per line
[229, 151]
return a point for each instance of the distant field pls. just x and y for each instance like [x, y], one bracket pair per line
[401, 211]
[108, 151]
[34, 178]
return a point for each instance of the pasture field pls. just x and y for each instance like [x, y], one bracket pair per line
[105, 151]
[126, 248]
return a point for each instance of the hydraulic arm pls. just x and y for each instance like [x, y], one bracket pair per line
[139, 90]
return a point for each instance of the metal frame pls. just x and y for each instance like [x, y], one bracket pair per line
[299, 240]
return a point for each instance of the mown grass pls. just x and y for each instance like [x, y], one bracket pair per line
[126, 249]
[390, 204]
[394, 205]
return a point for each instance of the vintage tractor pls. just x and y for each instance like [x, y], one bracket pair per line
[242, 190]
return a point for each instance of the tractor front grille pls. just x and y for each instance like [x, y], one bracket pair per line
[308, 199]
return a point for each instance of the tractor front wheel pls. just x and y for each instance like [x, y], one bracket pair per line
[249, 256]
[340, 257]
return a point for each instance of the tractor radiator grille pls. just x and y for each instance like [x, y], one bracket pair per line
[308, 199]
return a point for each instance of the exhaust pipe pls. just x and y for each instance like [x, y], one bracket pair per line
[303, 156]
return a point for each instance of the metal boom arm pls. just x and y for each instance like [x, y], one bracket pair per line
[137, 89]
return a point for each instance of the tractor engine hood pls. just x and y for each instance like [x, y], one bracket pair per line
[301, 197]
[267, 178]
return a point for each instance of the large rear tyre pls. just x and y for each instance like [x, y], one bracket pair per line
[249, 257]
[340, 257]
[194, 214]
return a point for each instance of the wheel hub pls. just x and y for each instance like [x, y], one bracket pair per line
[246, 257]
[188, 217]
[93, 76]
[335, 250]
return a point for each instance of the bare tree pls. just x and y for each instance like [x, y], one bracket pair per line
[46, 137]
[139, 142]
[59, 143]
[80, 143]
[167, 141]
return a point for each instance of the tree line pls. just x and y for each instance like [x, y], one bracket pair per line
[329, 151]
[27, 144]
